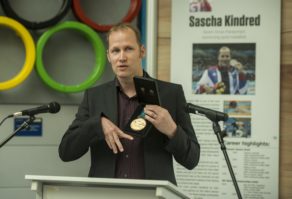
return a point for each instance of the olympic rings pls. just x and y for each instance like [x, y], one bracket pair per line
[30, 53]
[36, 25]
[97, 45]
[79, 13]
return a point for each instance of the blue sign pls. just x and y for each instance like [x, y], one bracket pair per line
[34, 129]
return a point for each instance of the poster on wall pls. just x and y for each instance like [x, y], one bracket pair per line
[228, 53]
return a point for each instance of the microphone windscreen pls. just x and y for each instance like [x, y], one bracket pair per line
[54, 107]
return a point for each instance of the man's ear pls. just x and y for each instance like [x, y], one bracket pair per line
[142, 51]
[108, 57]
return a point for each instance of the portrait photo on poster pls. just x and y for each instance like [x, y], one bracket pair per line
[224, 68]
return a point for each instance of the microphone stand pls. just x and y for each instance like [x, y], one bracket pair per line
[219, 134]
[24, 125]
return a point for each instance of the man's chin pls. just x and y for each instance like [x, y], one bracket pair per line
[124, 75]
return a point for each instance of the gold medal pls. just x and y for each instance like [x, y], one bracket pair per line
[138, 124]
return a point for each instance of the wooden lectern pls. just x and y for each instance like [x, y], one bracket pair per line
[59, 187]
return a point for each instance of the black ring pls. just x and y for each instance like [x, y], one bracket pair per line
[36, 25]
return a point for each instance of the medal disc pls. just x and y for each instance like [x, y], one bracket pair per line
[138, 124]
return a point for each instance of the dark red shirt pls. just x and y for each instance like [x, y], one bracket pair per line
[130, 162]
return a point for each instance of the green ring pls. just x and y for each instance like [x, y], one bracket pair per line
[99, 53]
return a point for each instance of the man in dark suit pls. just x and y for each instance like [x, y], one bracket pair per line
[106, 109]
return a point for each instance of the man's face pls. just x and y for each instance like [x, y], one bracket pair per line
[125, 54]
[224, 58]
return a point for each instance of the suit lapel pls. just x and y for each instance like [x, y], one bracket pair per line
[111, 104]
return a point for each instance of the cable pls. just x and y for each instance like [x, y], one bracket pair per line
[5, 119]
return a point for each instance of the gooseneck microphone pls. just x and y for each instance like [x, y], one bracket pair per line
[52, 107]
[212, 115]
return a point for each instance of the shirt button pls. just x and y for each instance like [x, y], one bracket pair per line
[127, 156]
[125, 175]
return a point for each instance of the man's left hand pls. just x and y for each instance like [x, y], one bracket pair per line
[161, 119]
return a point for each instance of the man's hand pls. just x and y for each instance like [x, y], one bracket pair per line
[206, 89]
[161, 119]
[112, 135]
[220, 88]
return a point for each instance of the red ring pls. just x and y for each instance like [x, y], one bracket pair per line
[132, 13]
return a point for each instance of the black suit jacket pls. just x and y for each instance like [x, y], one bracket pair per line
[86, 133]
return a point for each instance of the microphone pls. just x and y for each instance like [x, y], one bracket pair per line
[52, 107]
[212, 115]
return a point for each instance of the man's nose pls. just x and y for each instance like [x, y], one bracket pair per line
[122, 56]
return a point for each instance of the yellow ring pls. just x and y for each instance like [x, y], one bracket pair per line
[29, 49]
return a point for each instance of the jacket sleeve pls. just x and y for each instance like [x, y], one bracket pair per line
[184, 145]
[83, 131]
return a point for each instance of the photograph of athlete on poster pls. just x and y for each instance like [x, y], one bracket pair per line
[224, 68]
[237, 108]
[238, 127]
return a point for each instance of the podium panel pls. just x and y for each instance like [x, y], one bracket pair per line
[58, 187]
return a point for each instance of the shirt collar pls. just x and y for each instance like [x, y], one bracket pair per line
[118, 84]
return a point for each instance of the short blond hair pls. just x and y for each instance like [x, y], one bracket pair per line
[125, 26]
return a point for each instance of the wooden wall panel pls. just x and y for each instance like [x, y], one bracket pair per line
[286, 15]
[286, 102]
[164, 18]
[163, 59]
[164, 35]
